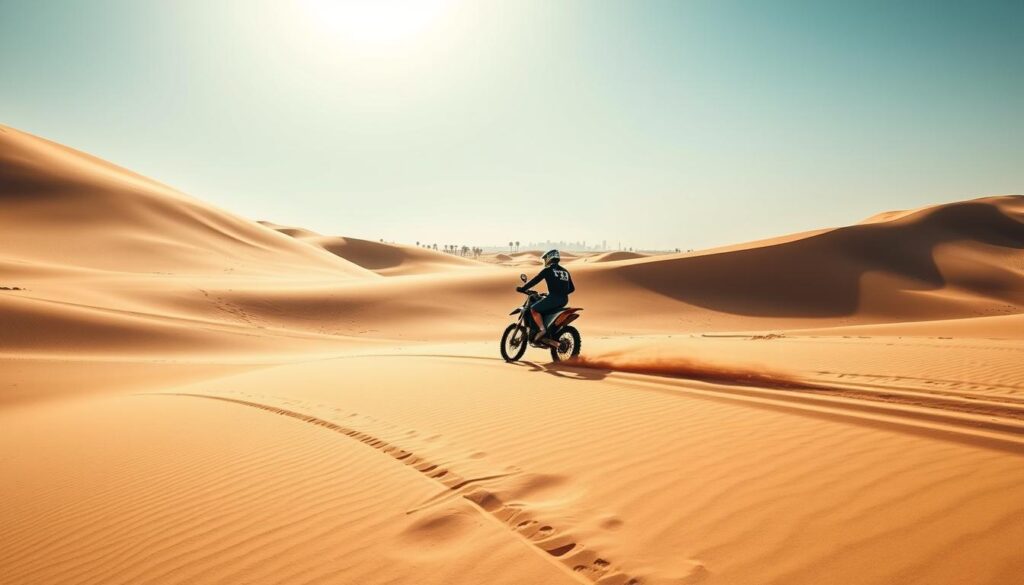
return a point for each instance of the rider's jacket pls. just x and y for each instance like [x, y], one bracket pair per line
[558, 280]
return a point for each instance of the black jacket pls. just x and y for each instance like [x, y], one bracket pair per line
[558, 279]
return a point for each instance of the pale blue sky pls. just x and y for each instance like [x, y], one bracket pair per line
[661, 124]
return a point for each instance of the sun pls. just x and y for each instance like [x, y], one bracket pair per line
[376, 22]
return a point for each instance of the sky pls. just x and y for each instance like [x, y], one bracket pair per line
[657, 124]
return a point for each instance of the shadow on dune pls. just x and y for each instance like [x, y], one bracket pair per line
[566, 371]
[370, 255]
[820, 276]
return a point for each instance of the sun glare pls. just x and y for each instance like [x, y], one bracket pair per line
[372, 22]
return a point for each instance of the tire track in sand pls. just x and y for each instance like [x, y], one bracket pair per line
[582, 561]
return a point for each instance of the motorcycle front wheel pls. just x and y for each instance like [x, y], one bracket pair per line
[513, 342]
[568, 344]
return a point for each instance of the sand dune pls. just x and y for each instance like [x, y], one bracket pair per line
[615, 256]
[109, 260]
[67, 208]
[956, 260]
[187, 396]
[522, 259]
[382, 258]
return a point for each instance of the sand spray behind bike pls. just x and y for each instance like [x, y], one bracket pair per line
[651, 361]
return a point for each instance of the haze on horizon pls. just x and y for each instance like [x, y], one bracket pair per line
[657, 124]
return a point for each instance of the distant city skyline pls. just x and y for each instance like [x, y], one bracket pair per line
[662, 123]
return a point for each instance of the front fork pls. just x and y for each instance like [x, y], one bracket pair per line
[526, 321]
[520, 337]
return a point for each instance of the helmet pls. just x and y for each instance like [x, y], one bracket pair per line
[550, 257]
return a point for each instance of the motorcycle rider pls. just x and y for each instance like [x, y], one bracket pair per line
[559, 284]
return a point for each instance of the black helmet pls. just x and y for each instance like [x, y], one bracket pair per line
[550, 257]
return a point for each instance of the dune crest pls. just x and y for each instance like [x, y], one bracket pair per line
[615, 256]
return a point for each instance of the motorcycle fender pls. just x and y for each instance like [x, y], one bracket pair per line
[569, 319]
[566, 317]
[519, 310]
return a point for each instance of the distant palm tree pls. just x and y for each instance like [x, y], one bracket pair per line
[510, 248]
[517, 245]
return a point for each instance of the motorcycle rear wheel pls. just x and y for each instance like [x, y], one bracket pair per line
[569, 343]
[510, 352]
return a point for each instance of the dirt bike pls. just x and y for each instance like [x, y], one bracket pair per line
[562, 339]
